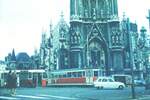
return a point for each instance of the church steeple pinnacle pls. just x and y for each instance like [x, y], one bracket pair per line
[91, 9]
[148, 17]
[13, 57]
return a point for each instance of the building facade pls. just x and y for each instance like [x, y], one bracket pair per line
[95, 39]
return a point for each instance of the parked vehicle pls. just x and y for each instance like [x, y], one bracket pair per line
[147, 82]
[126, 79]
[139, 82]
[108, 82]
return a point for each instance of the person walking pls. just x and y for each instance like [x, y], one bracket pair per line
[14, 82]
[8, 82]
[11, 83]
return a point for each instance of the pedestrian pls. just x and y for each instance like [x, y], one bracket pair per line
[11, 83]
[8, 82]
[14, 82]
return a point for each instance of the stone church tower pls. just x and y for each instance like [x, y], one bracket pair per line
[96, 41]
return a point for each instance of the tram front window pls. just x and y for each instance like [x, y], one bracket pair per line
[95, 73]
[44, 75]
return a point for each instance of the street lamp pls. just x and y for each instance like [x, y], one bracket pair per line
[131, 59]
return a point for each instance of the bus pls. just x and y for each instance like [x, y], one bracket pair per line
[74, 76]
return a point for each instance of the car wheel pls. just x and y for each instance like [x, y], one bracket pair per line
[101, 87]
[98, 88]
[120, 87]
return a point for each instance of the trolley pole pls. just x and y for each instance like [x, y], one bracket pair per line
[131, 59]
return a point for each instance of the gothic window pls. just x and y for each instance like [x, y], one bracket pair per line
[75, 39]
[116, 37]
[72, 39]
[108, 8]
[102, 7]
[78, 37]
[85, 5]
[113, 37]
[93, 7]
[66, 61]
[102, 58]
[119, 37]
[73, 7]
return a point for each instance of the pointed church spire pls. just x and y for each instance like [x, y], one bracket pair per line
[62, 14]
[13, 57]
[124, 16]
[51, 30]
[148, 17]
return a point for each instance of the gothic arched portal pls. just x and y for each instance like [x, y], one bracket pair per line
[96, 54]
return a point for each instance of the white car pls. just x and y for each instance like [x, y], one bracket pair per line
[108, 82]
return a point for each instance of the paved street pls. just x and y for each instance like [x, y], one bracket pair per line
[75, 93]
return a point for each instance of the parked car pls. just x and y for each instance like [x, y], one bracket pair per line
[147, 84]
[108, 82]
[139, 82]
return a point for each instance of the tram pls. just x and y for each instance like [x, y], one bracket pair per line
[26, 78]
[32, 78]
[75, 76]
[3, 76]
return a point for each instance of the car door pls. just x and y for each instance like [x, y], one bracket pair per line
[111, 83]
[105, 83]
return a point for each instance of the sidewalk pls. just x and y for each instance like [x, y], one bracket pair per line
[144, 96]
[3, 91]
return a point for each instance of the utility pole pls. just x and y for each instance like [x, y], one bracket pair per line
[131, 59]
[148, 17]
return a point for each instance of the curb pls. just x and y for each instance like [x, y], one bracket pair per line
[70, 85]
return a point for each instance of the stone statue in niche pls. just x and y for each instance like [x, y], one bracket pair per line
[127, 59]
[94, 14]
[86, 13]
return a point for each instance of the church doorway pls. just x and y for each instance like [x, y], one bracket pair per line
[96, 55]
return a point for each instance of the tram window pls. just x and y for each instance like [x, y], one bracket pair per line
[60, 76]
[83, 73]
[55, 76]
[68, 74]
[23, 75]
[95, 73]
[44, 75]
[74, 74]
[30, 75]
[64, 75]
[79, 74]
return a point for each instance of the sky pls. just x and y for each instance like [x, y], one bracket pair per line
[22, 22]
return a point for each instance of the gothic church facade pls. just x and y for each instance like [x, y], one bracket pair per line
[95, 39]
